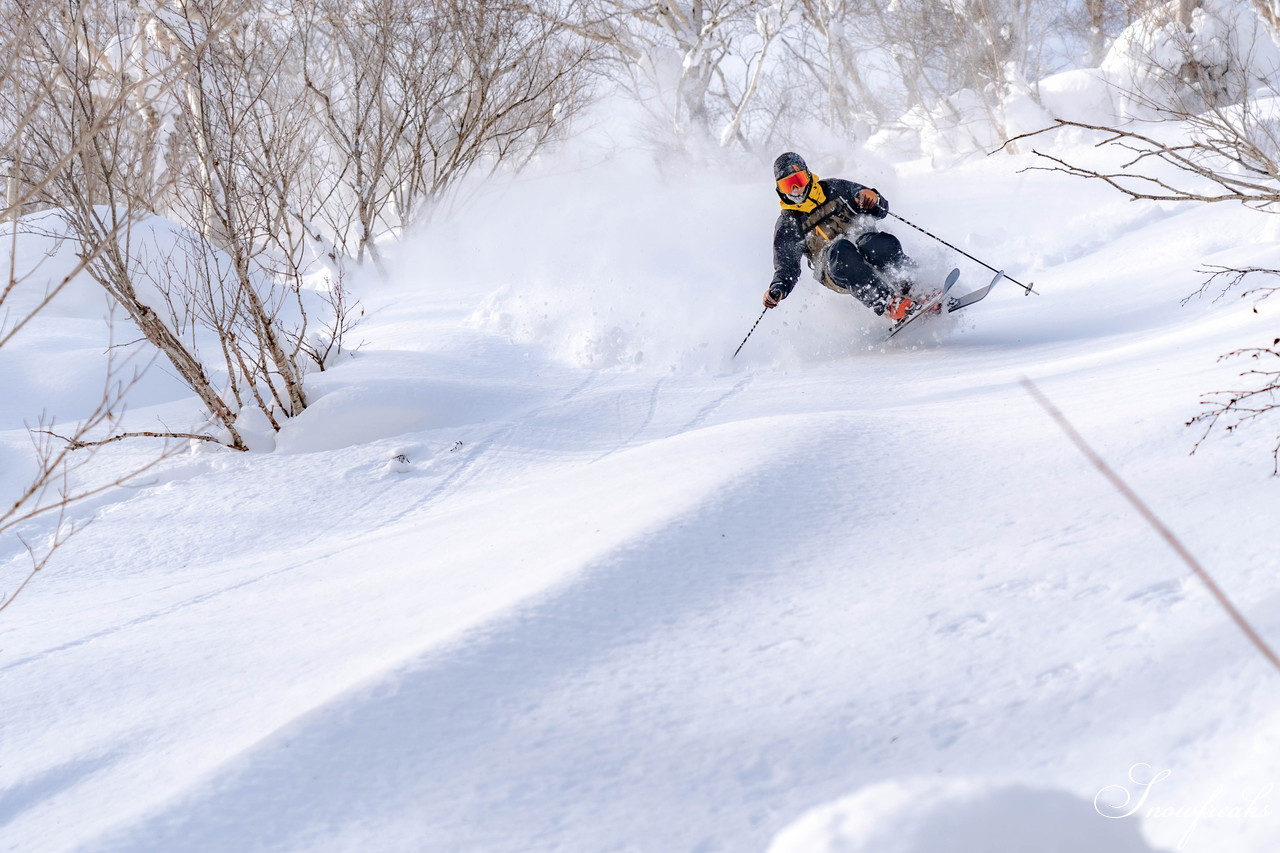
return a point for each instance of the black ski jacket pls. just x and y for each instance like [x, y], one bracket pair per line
[802, 230]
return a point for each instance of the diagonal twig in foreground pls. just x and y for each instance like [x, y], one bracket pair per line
[1150, 516]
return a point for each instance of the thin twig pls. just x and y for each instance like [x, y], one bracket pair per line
[1151, 519]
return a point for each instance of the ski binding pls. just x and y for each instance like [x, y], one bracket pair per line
[929, 305]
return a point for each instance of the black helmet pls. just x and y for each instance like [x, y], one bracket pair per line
[788, 164]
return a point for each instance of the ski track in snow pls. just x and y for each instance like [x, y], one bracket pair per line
[644, 424]
[474, 457]
[715, 405]
[154, 615]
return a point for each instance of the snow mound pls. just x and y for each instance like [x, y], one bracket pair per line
[1081, 94]
[1223, 52]
[958, 816]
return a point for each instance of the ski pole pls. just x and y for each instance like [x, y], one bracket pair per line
[753, 328]
[1026, 287]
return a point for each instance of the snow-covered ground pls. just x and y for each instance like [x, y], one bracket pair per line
[628, 594]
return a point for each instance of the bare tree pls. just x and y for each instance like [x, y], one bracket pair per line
[81, 99]
[839, 46]
[501, 88]
[247, 153]
[771, 23]
[700, 63]
[50, 125]
[348, 71]
[964, 61]
[413, 99]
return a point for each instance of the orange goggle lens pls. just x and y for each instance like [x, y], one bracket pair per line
[791, 183]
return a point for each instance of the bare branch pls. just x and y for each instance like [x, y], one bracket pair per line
[1201, 158]
[79, 444]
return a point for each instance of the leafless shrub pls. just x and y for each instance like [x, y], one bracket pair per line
[412, 99]
[44, 132]
[1231, 409]
[282, 143]
[914, 64]
[697, 66]
[344, 315]
[1233, 278]
[247, 150]
[84, 99]
[347, 63]
[510, 85]
[1207, 131]
[64, 479]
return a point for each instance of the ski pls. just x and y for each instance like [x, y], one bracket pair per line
[976, 296]
[933, 302]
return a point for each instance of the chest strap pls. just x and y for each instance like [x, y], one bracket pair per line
[829, 220]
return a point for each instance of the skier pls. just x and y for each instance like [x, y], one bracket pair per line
[832, 223]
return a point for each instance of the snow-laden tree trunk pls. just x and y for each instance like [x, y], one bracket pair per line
[1185, 9]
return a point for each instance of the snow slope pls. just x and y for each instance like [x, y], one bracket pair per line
[628, 594]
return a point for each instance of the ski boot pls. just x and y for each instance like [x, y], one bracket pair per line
[900, 308]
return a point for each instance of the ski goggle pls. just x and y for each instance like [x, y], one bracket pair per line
[791, 183]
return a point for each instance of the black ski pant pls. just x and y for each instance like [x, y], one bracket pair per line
[872, 268]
